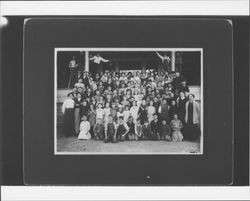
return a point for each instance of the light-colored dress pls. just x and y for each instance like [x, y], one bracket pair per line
[176, 126]
[126, 114]
[151, 111]
[134, 112]
[106, 114]
[84, 131]
[99, 113]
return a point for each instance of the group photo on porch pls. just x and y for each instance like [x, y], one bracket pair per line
[128, 101]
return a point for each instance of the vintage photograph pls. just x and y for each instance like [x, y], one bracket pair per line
[128, 101]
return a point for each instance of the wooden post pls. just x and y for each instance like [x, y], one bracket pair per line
[87, 61]
[173, 61]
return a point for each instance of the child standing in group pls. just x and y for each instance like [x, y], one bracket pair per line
[143, 113]
[84, 129]
[131, 125]
[138, 130]
[134, 111]
[99, 112]
[113, 111]
[146, 130]
[99, 130]
[176, 126]
[165, 131]
[126, 113]
[106, 112]
[151, 111]
[84, 108]
[172, 110]
[110, 130]
[155, 128]
[122, 130]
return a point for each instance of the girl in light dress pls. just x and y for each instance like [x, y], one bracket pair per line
[176, 126]
[106, 112]
[126, 113]
[134, 111]
[151, 111]
[136, 94]
[84, 129]
[99, 112]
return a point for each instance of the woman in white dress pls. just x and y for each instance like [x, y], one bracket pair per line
[84, 129]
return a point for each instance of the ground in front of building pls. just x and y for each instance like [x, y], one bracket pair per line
[72, 144]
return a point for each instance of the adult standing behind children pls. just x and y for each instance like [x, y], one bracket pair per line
[192, 130]
[68, 116]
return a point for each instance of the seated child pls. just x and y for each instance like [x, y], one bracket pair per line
[146, 130]
[155, 128]
[176, 126]
[99, 130]
[122, 130]
[165, 131]
[131, 125]
[110, 130]
[84, 129]
[138, 130]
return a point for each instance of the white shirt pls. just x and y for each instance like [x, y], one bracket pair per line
[79, 85]
[72, 64]
[134, 112]
[119, 114]
[99, 113]
[98, 59]
[68, 103]
[126, 114]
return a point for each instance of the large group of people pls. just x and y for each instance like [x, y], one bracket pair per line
[120, 106]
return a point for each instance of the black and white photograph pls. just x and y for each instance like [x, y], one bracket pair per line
[128, 101]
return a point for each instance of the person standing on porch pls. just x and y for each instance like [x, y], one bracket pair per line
[97, 59]
[192, 130]
[73, 70]
[165, 60]
[68, 116]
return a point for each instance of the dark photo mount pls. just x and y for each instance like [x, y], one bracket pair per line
[12, 106]
[214, 167]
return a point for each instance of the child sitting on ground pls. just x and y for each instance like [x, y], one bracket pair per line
[84, 129]
[176, 126]
[110, 130]
[122, 130]
[165, 131]
[99, 130]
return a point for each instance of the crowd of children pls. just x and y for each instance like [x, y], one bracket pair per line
[114, 106]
